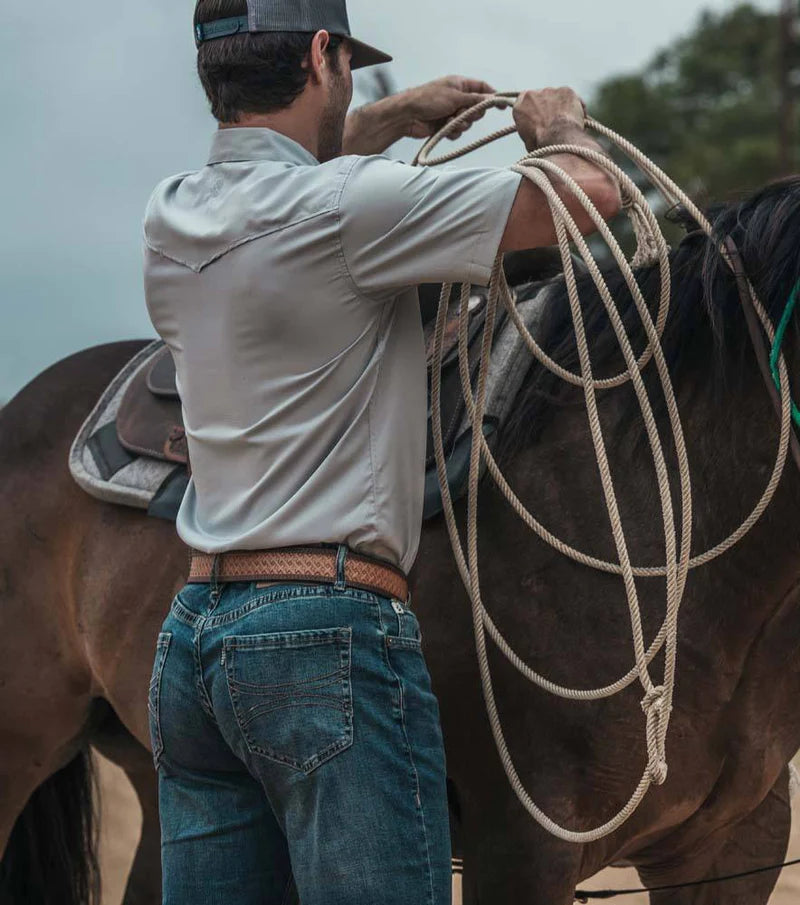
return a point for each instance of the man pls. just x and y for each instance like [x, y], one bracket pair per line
[294, 728]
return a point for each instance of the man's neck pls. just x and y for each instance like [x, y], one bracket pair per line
[291, 122]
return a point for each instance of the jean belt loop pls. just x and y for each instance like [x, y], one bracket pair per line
[341, 559]
[215, 576]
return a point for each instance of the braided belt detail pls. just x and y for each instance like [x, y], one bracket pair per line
[300, 564]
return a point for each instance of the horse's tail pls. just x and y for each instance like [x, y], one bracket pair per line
[51, 857]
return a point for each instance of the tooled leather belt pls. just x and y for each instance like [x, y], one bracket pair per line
[325, 565]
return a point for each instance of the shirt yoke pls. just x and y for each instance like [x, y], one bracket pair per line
[196, 218]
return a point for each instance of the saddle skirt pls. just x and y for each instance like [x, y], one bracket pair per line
[132, 448]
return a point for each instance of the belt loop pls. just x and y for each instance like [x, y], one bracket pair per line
[215, 575]
[341, 558]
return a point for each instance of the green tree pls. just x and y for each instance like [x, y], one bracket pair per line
[707, 107]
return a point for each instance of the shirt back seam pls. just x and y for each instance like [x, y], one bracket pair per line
[197, 267]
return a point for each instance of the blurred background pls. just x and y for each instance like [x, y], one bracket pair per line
[100, 103]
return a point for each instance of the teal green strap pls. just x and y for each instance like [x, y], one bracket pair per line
[778, 343]
[220, 28]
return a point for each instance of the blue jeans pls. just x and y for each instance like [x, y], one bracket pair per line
[297, 741]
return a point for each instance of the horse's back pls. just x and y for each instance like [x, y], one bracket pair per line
[47, 412]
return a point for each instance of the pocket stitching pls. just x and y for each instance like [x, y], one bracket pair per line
[294, 640]
[245, 686]
[402, 641]
[283, 640]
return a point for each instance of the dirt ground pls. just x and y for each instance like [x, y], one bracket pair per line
[121, 825]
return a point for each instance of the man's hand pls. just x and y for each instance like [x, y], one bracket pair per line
[552, 116]
[431, 105]
[416, 113]
[557, 116]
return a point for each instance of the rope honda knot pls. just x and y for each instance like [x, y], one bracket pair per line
[654, 700]
[656, 710]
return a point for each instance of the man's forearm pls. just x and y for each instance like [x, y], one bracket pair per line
[415, 113]
[375, 127]
[530, 224]
[583, 171]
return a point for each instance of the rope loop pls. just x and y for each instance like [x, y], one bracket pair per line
[555, 182]
[499, 101]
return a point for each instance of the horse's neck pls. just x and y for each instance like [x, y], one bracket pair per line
[731, 432]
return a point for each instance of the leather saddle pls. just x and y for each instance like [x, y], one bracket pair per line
[150, 417]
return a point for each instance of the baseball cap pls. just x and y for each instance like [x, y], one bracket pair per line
[293, 15]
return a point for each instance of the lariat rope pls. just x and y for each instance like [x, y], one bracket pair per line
[651, 247]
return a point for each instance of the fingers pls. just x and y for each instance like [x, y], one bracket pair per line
[469, 86]
[472, 99]
[435, 103]
[458, 130]
[469, 102]
[552, 101]
[477, 87]
[537, 112]
[466, 103]
[457, 133]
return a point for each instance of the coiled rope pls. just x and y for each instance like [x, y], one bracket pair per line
[651, 247]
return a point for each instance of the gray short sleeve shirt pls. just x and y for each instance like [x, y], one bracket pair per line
[285, 289]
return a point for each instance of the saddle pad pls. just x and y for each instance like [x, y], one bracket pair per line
[510, 362]
[106, 470]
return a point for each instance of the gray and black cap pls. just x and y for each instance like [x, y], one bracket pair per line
[293, 15]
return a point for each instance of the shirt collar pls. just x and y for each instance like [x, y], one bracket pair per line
[229, 145]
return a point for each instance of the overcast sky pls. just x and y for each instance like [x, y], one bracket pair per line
[100, 101]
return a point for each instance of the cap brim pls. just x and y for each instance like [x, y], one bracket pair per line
[364, 55]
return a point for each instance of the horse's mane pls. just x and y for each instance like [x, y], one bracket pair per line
[706, 326]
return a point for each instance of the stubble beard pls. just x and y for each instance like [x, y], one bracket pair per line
[331, 127]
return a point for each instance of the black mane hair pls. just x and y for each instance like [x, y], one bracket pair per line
[706, 326]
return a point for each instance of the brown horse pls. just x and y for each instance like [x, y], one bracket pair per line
[84, 587]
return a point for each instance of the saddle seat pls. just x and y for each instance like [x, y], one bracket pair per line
[150, 417]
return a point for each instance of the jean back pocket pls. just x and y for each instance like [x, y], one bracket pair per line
[291, 694]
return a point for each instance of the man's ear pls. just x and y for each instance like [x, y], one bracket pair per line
[318, 57]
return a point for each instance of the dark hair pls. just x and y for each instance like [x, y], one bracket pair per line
[252, 73]
[706, 323]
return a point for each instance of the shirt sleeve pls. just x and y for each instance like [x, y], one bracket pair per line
[402, 225]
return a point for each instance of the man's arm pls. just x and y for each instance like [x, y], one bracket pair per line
[401, 225]
[416, 113]
[556, 117]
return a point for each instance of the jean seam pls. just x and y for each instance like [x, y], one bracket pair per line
[404, 642]
[205, 699]
[286, 639]
[191, 618]
[414, 772]
[154, 696]
[184, 615]
[285, 899]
